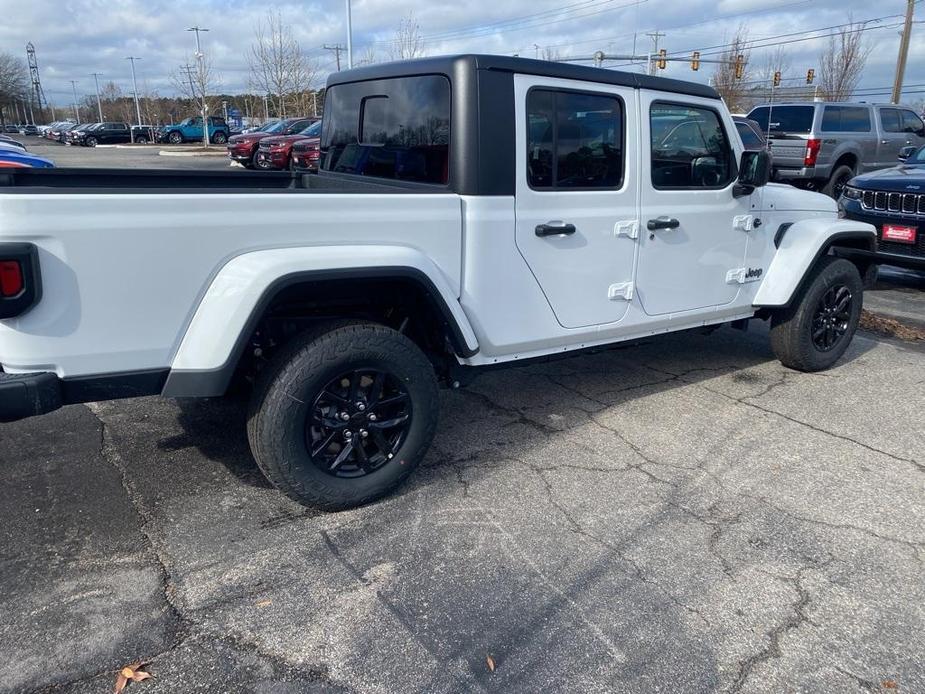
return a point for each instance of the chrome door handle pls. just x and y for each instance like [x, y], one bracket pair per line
[884, 142]
[662, 223]
[554, 229]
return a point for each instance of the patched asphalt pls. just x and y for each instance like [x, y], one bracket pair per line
[681, 515]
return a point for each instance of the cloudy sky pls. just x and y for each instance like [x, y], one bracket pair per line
[78, 37]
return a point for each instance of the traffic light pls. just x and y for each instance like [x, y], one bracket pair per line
[777, 78]
[810, 76]
[662, 63]
[740, 67]
[695, 61]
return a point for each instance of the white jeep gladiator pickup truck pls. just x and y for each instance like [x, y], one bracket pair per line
[469, 211]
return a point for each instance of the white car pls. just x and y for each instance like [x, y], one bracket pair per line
[469, 211]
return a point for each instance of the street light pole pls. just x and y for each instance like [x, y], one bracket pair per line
[99, 104]
[76, 111]
[202, 88]
[349, 38]
[135, 93]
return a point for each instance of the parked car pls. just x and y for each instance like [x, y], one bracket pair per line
[17, 159]
[305, 155]
[59, 132]
[190, 130]
[10, 128]
[28, 130]
[71, 136]
[822, 145]
[488, 210]
[144, 134]
[109, 133]
[12, 145]
[275, 152]
[243, 148]
[893, 201]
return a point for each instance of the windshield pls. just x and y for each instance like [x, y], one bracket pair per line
[313, 130]
[784, 119]
[918, 157]
[274, 127]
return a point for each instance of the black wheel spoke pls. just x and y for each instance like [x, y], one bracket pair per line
[357, 422]
[832, 318]
[389, 423]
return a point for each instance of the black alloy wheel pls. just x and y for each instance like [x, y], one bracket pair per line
[358, 422]
[832, 318]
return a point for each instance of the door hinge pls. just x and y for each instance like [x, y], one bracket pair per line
[622, 291]
[743, 222]
[741, 275]
[628, 228]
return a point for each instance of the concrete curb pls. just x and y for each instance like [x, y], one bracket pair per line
[169, 153]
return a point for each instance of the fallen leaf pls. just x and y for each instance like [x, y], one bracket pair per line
[133, 673]
[491, 662]
[889, 684]
[264, 603]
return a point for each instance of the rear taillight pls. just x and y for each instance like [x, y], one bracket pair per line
[20, 278]
[812, 152]
[11, 279]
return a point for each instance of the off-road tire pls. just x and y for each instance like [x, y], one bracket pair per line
[219, 138]
[837, 181]
[792, 327]
[286, 390]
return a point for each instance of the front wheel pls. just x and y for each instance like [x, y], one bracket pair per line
[816, 329]
[838, 181]
[175, 138]
[90, 142]
[343, 414]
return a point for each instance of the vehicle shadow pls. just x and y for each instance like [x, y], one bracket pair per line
[217, 427]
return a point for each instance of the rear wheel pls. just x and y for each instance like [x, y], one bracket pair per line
[343, 414]
[141, 140]
[219, 138]
[816, 329]
[838, 180]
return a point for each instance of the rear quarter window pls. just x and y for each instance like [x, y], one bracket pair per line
[784, 119]
[394, 128]
[846, 119]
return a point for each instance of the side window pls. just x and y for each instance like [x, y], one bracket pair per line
[690, 148]
[574, 140]
[393, 128]
[749, 138]
[846, 119]
[891, 120]
[911, 122]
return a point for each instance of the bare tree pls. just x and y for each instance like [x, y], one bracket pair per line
[842, 62]
[13, 83]
[551, 54]
[278, 67]
[369, 57]
[731, 87]
[407, 42]
[195, 84]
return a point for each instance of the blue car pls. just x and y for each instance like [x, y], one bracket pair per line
[23, 160]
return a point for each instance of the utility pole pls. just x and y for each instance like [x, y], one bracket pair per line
[536, 51]
[76, 111]
[99, 104]
[903, 52]
[349, 38]
[266, 107]
[337, 48]
[133, 58]
[202, 87]
[655, 36]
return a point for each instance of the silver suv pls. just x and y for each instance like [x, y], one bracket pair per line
[823, 145]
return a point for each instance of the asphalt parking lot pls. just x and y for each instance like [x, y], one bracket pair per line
[683, 515]
[679, 515]
[129, 156]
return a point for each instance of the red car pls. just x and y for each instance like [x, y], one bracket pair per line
[275, 152]
[243, 148]
[305, 155]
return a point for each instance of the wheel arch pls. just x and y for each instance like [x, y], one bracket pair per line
[205, 363]
[801, 245]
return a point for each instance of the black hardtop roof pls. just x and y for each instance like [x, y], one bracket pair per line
[453, 64]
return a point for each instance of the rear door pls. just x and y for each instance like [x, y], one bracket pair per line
[694, 231]
[577, 195]
[849, 128]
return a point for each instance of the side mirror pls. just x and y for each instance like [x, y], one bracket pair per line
[754, 172]
[906, 152]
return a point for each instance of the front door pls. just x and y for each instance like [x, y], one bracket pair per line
[577, 195]
[693, 231]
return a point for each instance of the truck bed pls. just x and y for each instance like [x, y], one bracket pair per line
[72, 180]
